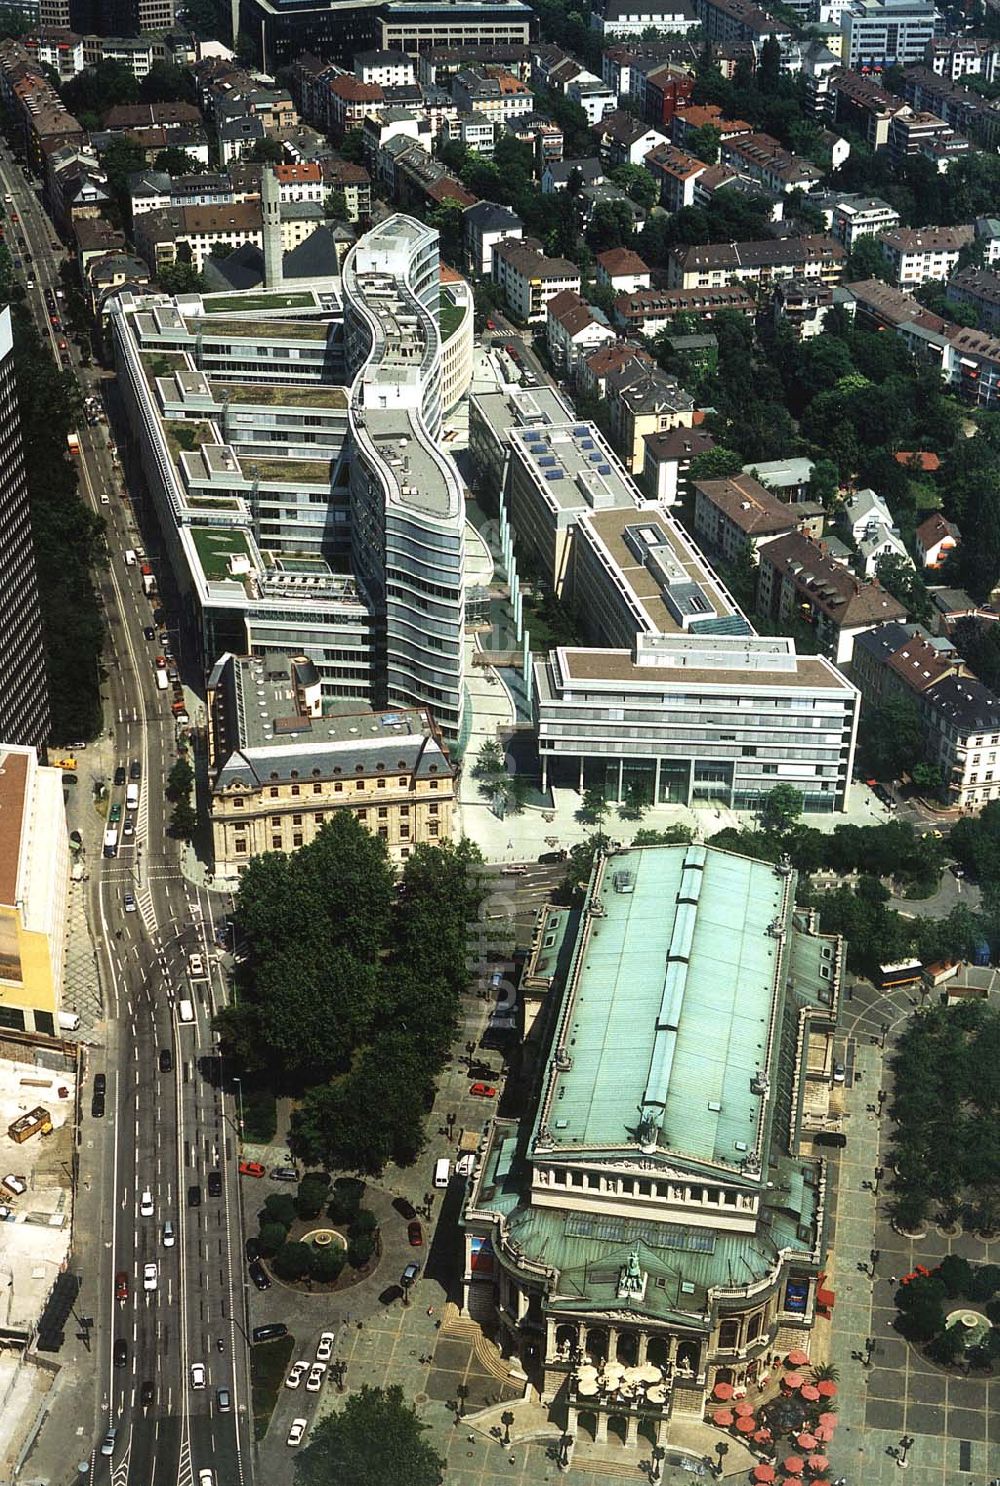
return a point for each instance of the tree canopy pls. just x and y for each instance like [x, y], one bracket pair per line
[349, 996]
[377, 1439]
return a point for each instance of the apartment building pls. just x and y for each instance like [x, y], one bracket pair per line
[955, 57]
[979, 290]
[763, 262]
[959, 715]
[936, 539]
[34, 891]
[573, 328]
[622, 271]
[798, 579]
[862, 104]
[594, 369]
[862, 216]
[734, 517]
[388, 69]
[24, 697]
[350, 101]
[643, 400]
[729, 21]
[915, 255]
[528, 279]
[624, 139]
[484, 225]
[886, 33]
[280, 769]
[354, 182]
[667, 462]
[764, 159]
[650, 310]
[497, 94]
[676, 172]
[802, 307]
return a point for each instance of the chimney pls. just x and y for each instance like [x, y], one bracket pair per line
[270, 206]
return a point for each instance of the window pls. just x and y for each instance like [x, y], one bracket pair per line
[297, 838]
[276, 820]
[238, 802]
[241, 846]
[317, 789]
[434, 784]
[338, 788]
[295, 789]
[362, 814]
[275, 843]
[432, 809]
[383, 812]
[296, 820]
[381, 784]
[274, 794]
[383, 833]
[432, 828]
[359, 784]
[404, 829]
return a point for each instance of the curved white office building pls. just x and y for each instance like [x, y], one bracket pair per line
[407, 501]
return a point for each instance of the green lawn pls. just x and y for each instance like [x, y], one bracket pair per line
[268, 1368]
[230, 302]
[215, 545]
[450, 317]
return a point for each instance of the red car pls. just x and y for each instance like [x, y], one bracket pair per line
[483, 1091]
[491, 325]
[415, 1234]
[121, 1287]
[251, 1168]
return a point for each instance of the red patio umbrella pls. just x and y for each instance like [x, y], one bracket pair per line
[824, 1434]
[723, 1391]
[806, 1441]
[829, 1421]
[821, 1483]
[762, 1436]
[743, 1407]
[794, 1465]
[746, 1424]
[723, 1418]
[827, 1388]
[792, 1380]
[763, 1472]
[809, 1392]
[797, 1358]
[818, 1463]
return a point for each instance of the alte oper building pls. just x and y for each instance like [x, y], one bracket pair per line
[661, 1211]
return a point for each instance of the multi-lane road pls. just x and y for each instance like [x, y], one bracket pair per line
[169, 1127]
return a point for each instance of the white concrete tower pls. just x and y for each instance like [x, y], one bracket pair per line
[270, 204]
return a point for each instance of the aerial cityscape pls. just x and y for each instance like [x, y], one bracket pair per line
[499, 742]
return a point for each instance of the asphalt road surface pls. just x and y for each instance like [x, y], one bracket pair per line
[166, 1130]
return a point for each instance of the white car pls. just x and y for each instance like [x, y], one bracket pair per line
[196, 966]
[296, 1432]
[108, 1443]
[130, 905]
[146, 1204]
[324, 1349]
[314, 1382]
[169, 1237]
[149, 1275]
[197, 1375]
[295, 1376]
[205, 1478]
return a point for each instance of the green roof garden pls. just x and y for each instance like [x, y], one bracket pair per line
[233, 303]
[271, 394]
[450, 318]
[286, 471]
[257, 330]
[215, 545]
[186, 437]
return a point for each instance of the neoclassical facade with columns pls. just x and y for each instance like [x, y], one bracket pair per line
[659, 1224]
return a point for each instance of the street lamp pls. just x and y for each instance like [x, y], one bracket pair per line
[239, 1101]
[722, 1450]
[658, 1454]
[506, 1419]
[905, 1445]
